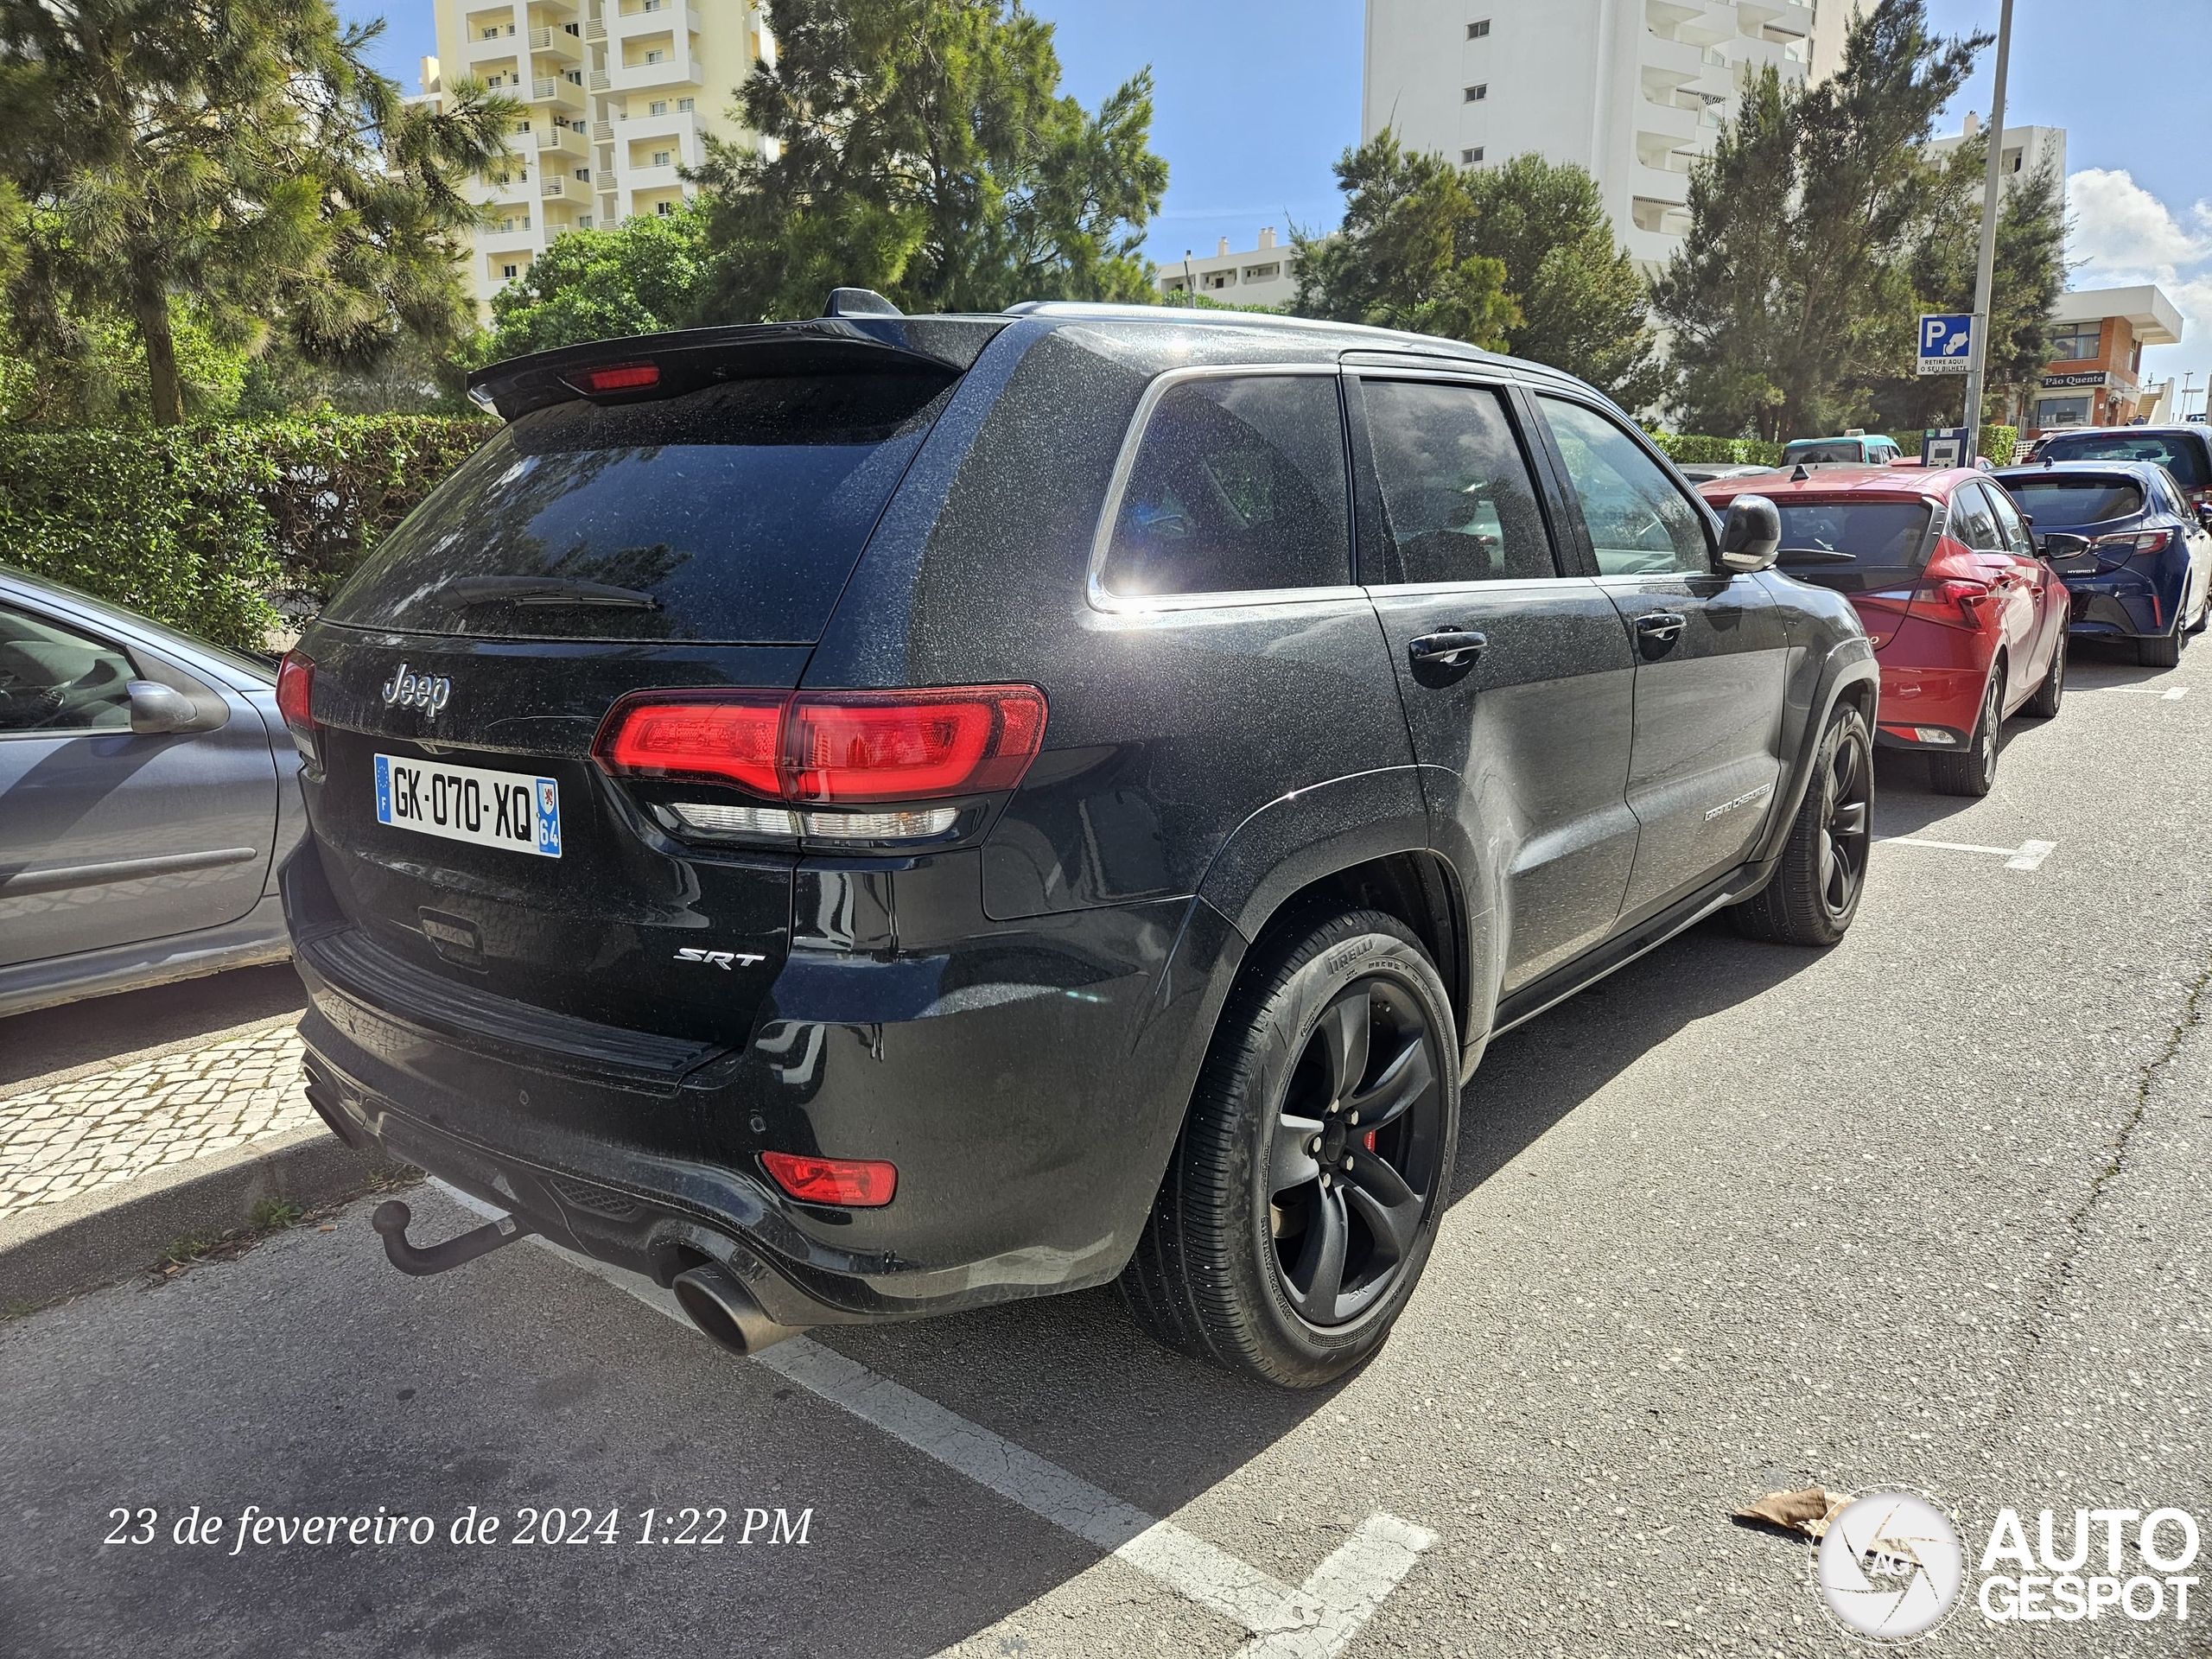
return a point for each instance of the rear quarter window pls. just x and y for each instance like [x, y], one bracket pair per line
[730, 514]
[1238, 486]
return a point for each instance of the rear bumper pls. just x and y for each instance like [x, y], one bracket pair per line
[1029, 1112]
[1922, 706]
[2126, 608]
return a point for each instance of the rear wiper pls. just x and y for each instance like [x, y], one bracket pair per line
[1818, 556]
[545, 590]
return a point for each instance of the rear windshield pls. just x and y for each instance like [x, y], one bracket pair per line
[1817, 453]
[2057, 502]
[2182, 456]
[1854, 546]
[734, 513]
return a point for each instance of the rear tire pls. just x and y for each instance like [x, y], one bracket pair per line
[1814, 894]
[2160, 650]
[2052, 691]
[1257, 1256]
[1975, 772]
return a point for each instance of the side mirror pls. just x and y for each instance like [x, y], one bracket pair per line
[159, 708]
[1751, 534]
[2204, 514]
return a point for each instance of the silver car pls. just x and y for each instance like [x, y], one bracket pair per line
[148, 793]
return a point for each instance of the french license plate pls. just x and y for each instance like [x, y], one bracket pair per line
[512, 810]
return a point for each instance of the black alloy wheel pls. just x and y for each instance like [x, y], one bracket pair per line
[1847, 792]
[1352, 1162]
[1311, 1176]
[1975, 772]
[1821, 872]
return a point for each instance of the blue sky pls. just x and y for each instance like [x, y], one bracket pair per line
[1256, 98]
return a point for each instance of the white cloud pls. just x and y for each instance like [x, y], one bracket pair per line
[2121, 226]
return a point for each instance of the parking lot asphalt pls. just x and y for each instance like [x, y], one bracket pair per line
[1929, 1209]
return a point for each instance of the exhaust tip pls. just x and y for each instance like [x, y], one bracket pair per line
[725, 1310]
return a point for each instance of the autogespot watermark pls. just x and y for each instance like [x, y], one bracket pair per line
[1893, 1566]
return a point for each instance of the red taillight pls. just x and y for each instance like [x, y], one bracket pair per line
[856, 1183]
[822, 747]
[625, 376]
[295, 699]
[2122, 547]
[1951, 590]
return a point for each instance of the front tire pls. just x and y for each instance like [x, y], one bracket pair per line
[1307, 1189]
[1814, 894]
[2052, 691]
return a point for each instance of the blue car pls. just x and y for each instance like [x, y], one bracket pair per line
[2128, 542]
[148, 793]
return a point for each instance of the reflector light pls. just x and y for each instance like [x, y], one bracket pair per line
[626, 377]
[880, 826]
[831, 747]
[856, 1183]
[295, 699]
[1932, 734]
[712, 818]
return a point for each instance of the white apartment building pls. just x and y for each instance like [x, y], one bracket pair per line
[2025, 151]
[620, 94]
[1262, 276]
[1632, 91]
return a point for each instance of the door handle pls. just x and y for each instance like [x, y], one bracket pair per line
[1661, 628]
[1449, 648]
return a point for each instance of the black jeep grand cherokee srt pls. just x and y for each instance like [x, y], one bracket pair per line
[864, 818]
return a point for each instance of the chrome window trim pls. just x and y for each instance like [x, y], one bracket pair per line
[1104, 599]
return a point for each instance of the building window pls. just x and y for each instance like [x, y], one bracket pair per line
[1476, 94]
[522, 126]
[508, 273]
[584, 173]
[683, 105]
[1261, 273]
[576, 77]
[1219, 278]
[2073, 342]
[1470, 157]
[665, 209]
[1476, 30]
[655, 55]
[661, 157]
[658, 106]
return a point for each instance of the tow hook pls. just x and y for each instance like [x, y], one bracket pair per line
[391, 1220]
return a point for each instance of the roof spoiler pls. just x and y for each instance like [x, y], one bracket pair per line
[865, 342]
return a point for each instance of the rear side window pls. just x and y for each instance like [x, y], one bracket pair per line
[1639, 523]
[1238, 486]
[2059, 502]
[1973, 522]
[733, 513]
[1455, 486]
[2182, 455]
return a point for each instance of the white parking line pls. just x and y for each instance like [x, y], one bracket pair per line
[2026, 856]
[1315, 1621]
[2171, 694]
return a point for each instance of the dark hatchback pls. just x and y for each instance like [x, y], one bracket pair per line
[2133, 549]
[872, 816]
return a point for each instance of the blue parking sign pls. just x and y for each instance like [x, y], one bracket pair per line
[1946, 342]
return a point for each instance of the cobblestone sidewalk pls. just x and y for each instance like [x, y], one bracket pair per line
[57, 1142]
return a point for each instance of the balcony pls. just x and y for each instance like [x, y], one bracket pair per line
[649, 177]
[557, 89]
[558, 42]
[641, 77]
[594, 29]
[1792, 18]
[603, 131]
[1686, 19]
[489, 48]
[554, 186]
[563, 141]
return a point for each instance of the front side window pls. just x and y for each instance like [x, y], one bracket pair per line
[1456, 488]
[1639, 523]
[54, 679]
[1238, 486]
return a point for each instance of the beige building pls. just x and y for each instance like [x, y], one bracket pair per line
[620, 95]
[1266, 275]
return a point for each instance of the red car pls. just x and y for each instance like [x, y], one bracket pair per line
[1968, 625]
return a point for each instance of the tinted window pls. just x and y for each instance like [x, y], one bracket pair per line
[55, 680]
[1846, 449]
[1238, 486]
[2010, 530]
[1972, 521]
[1639, 523]
[1455, 484]
[737, 510]
[2179, 453]
[1853, 544]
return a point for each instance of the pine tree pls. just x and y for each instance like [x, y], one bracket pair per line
[923, 148]
[239, 158]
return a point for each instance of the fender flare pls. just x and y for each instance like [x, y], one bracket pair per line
[1299, 838]
[1850, 664]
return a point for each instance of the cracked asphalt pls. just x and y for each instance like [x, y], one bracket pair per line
[1928, 1210]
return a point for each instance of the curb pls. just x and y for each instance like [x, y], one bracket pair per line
[53, 1250]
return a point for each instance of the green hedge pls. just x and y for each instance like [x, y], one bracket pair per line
[202, 526]
[1683, 447]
